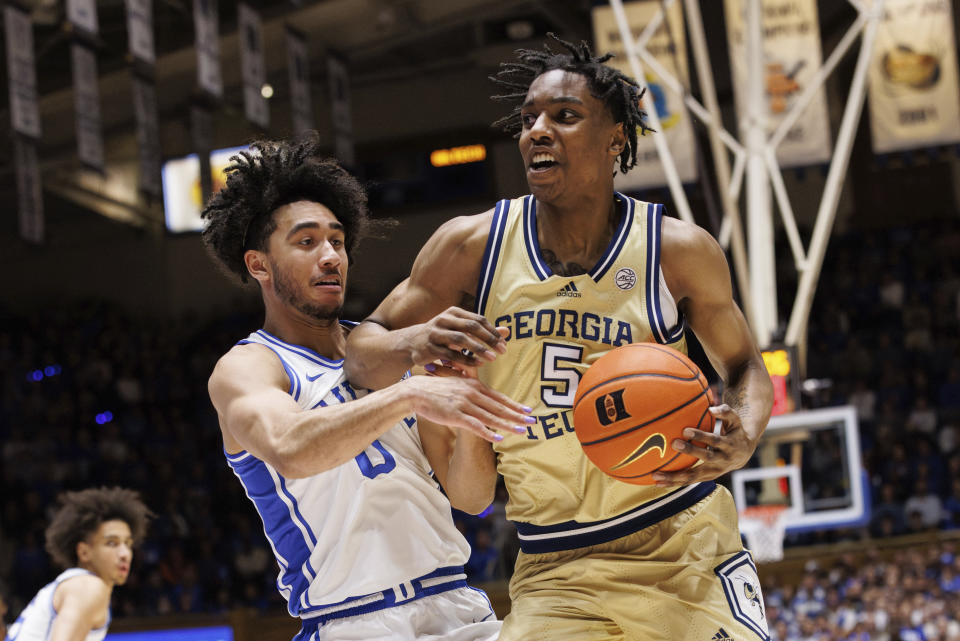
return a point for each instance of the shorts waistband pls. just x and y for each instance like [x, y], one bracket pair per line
[440, 580]
[537, 539]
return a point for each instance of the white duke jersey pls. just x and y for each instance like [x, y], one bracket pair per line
[36, 620]
[371, 533]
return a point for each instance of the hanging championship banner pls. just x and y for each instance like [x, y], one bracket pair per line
[207, 41]
[250, 35]
[340, 110]
[86, 102]
[298, 65]
[83, 14]
[913, 93]
[21, 72]
[148, 135]
[140, 30]
[29, 194]
[201, 127]
[669, 46]
[792, 56]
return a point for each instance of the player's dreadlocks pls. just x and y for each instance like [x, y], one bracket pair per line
[81, 514]
[271, 174]
[619, 92]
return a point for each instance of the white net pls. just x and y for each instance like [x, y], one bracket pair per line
[764, 527]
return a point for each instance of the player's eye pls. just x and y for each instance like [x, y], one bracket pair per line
[528, 120]
[306, 241]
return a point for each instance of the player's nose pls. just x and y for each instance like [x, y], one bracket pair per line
[541, 128]
[329, 255]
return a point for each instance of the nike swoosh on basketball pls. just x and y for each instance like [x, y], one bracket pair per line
[654, 441]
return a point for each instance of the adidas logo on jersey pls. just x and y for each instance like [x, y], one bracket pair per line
[570, 291]
[721, 635]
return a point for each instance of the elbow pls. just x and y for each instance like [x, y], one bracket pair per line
[474, 504]
[293, 462]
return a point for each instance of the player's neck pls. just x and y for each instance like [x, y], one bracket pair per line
[580, 228]
[327, 338]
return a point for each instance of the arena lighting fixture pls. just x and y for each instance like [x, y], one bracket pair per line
[458, 155]
[266, 90]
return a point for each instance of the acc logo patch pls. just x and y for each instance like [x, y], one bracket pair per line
[625, 278]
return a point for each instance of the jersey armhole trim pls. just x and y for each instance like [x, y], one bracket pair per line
[491, 254]
[295, 385]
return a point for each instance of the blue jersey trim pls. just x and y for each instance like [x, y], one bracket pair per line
[537, 539]
[491, 255]
[286, 538]
[619, 238]
[531, 242]
[295, 385]
[300, 350]
[653, 272]
[402, 594]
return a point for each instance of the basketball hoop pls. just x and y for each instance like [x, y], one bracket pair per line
[764, 526]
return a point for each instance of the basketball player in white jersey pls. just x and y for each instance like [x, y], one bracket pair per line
[342, 478]
[570, 272]
[92, 535]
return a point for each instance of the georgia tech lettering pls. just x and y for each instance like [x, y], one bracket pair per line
[566, 323]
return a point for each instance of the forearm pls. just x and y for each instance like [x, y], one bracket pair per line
[376, 357]
[749, 392]
[307, 443]
[472, 476]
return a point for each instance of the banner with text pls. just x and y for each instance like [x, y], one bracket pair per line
[913, 92]
[791, 56]
[340, 110]
[669, 47]
[250, 35]
[83, 14]
[86, 102]
[21, 72]
[298, 66]
[148, 135]
[206, 17]
[29, 192]
[140, 30]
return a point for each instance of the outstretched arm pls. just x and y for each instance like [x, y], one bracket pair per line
[428, 316]
[697, 275]
[249, 391]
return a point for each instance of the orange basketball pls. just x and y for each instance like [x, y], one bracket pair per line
[632, 403]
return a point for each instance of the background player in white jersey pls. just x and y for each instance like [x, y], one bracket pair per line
[92, 535]
[574, 270]
[363, 535]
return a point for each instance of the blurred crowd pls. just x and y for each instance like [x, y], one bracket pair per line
[92, 396]
[913, 596]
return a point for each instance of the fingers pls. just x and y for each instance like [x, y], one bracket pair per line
[457, 330]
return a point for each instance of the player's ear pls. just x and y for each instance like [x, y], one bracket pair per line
[256, 263]
[618, 141]
[83, 552]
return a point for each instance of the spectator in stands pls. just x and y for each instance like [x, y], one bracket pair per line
[888, 518]
[924, 503]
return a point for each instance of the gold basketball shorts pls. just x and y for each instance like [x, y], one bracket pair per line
[685, 578]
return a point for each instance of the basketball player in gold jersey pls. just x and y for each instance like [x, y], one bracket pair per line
[568, 273]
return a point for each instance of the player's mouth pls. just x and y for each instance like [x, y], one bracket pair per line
[542, 162]
[331, 281]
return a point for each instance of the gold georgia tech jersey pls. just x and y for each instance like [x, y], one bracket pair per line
[559, 325]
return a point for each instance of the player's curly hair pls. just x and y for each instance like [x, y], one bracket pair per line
[81, 513]
[273, 173]
[619, 92]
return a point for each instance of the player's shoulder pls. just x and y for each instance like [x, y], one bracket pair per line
[87, 590]
[467, 227]
[691, 259]
[680, 236]
[461, 239]
[245, 360]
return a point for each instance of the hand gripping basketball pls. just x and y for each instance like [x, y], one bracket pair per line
[632, 403]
